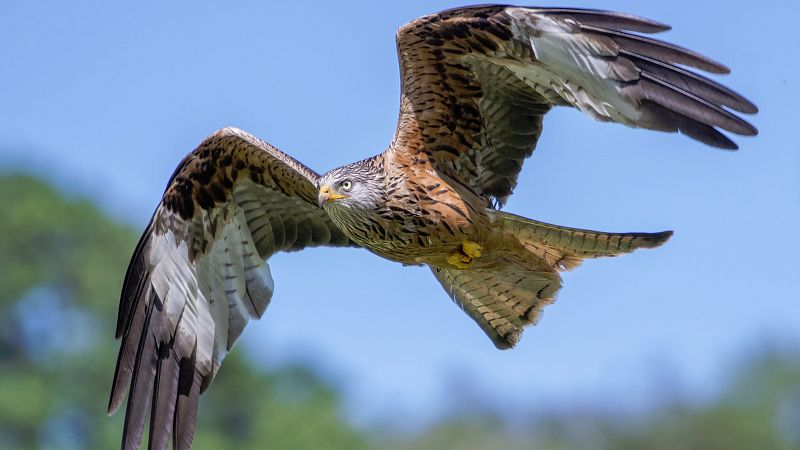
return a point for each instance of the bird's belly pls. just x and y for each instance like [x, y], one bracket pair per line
[414, 247]
[411, 238]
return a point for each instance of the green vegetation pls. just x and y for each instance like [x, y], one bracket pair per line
[759, 410]
[61, 266]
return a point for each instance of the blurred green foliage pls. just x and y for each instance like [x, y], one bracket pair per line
[759, 409]
[61, 267]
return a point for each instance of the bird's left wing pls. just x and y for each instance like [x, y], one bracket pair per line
[199, 274]
[476, 82]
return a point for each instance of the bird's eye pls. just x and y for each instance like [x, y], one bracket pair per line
[346, 185]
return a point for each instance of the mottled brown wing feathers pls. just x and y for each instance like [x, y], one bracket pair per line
[476, 82]
[198, 274]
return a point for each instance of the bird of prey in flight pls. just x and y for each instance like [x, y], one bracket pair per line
[475, 85]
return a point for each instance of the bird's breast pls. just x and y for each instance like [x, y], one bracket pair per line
[408, 236]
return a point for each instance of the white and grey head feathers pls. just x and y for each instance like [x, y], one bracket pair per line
[362, 183]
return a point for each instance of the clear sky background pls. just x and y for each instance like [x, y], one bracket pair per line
[107, 98]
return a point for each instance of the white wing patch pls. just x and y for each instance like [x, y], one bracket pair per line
[209, 302]
[577, 69]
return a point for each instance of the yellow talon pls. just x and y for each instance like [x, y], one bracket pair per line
[462, 257]
[471, 249]
[459, 260]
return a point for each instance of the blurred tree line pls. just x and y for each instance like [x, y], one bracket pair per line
[61, 267]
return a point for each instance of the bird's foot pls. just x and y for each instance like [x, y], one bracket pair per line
[471, 249]
[462, 257]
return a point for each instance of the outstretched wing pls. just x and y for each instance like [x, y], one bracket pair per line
[476, 82]
[199, 274]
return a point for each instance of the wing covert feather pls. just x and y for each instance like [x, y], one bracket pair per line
[199, 274]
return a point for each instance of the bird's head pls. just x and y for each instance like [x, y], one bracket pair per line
[359, 185]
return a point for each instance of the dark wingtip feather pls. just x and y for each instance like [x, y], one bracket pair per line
[658, 117]
[164, 397]
[659, 50]
[610, 19]
[141, 385]
[688, 104]
[123, 372]
[706, 134]
[692, 82]
[133, 283]
[186, 410]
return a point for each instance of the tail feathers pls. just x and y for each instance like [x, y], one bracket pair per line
[501, 300]
[564, 248]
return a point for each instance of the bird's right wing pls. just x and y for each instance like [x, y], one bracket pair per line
[476, 82]
[199, 274]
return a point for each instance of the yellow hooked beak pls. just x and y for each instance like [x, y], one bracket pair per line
[327, 196]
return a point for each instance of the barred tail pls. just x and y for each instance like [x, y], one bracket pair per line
[565, 247]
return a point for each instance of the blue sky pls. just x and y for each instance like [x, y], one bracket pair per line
[107, 98]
